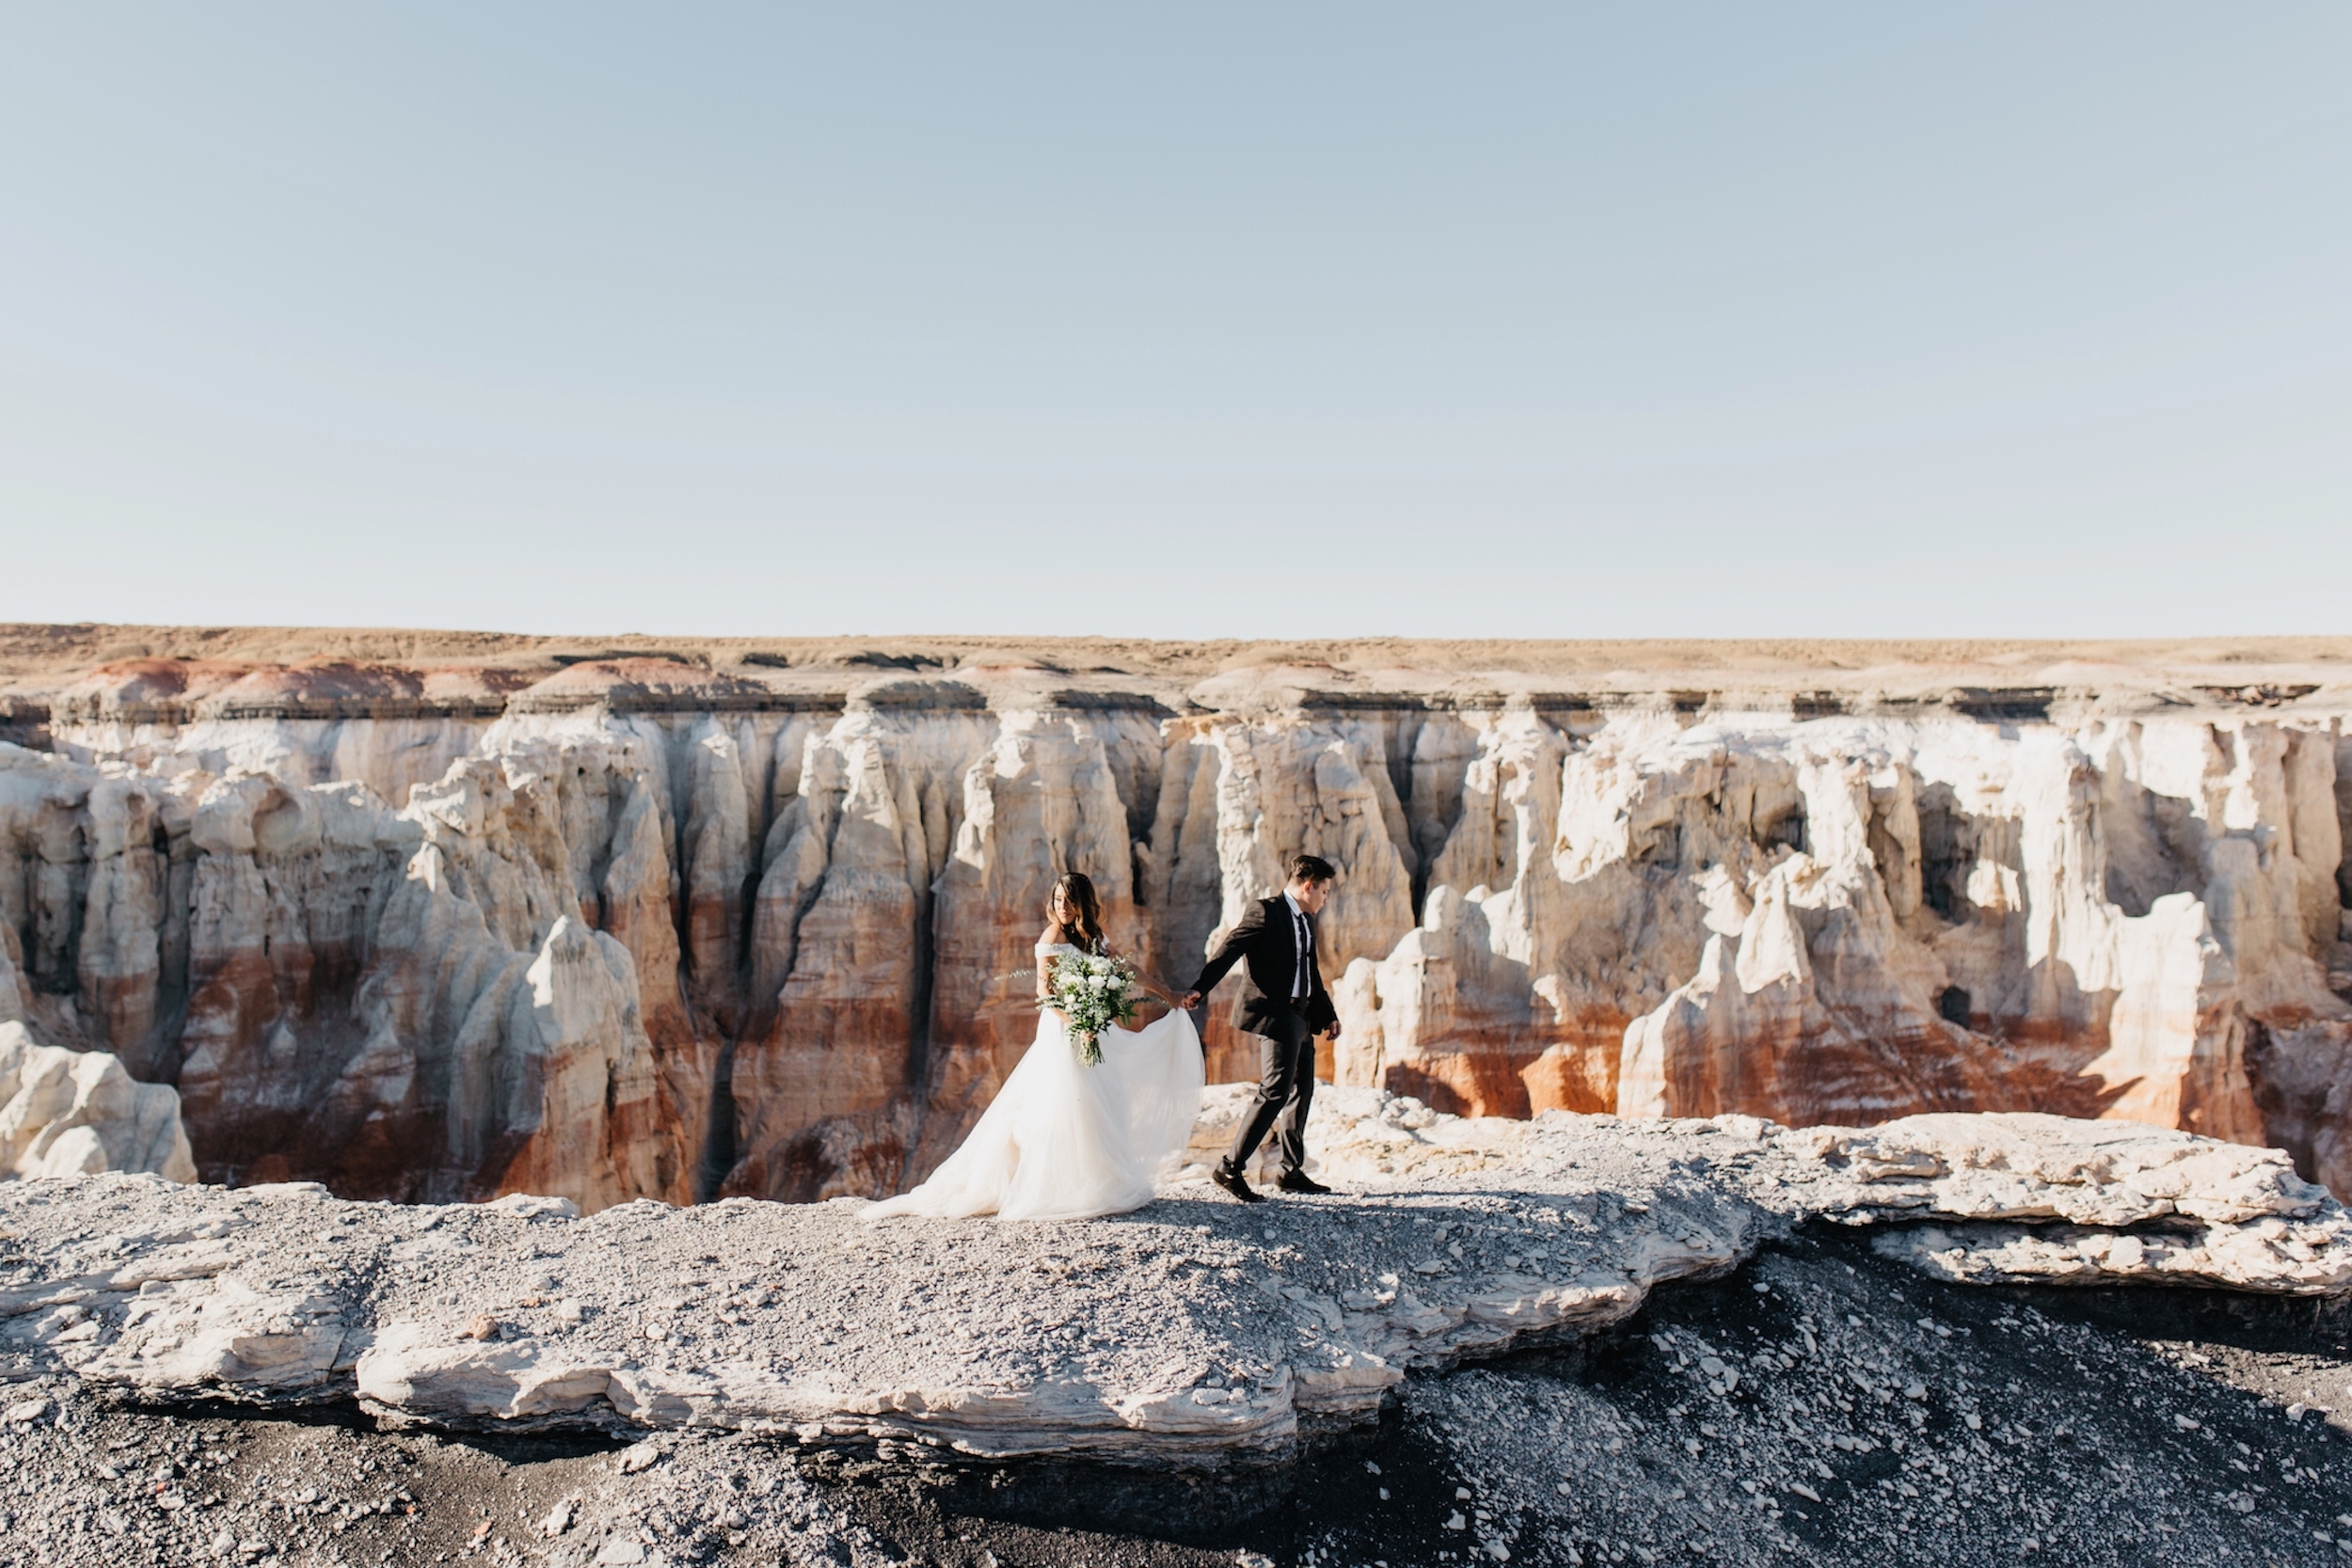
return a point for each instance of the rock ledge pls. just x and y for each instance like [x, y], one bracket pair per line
[1192, 1332]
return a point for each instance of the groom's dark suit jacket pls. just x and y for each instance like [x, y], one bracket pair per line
[1265, 942]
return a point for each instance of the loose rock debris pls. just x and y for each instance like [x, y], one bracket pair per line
[1877, 1418]
[1512, 1342]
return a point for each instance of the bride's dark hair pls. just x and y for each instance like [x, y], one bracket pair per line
[1085, 929]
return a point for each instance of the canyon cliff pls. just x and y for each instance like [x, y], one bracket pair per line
[429, 917]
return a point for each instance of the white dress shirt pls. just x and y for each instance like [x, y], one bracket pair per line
[1303, 935]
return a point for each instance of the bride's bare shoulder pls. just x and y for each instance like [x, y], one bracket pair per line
[1052, 936]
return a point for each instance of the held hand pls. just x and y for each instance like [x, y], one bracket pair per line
[1190, 1000]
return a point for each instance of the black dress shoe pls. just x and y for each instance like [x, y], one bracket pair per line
[1299, 1182]
[1231, 1182]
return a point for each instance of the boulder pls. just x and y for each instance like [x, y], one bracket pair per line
[76, 1113]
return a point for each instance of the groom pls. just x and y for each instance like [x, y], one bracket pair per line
[1284, 1004]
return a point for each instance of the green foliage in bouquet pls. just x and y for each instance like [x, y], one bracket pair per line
[1093, 994]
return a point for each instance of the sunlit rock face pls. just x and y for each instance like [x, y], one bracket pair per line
[639, 926]
[76, 1113]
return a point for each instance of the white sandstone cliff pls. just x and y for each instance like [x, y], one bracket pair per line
[636, 928]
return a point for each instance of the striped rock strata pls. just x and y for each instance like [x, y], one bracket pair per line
[636, 926]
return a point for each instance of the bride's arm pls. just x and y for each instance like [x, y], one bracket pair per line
[1143, 981]
[1046, 964]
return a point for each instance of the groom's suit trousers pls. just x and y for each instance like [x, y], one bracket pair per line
[1286, 1092]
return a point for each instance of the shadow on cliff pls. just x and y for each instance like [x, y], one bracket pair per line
[1397, 1474]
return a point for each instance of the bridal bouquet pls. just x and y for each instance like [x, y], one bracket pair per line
[1093, 993]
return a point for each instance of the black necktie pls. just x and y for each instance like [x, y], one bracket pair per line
[1306, 939]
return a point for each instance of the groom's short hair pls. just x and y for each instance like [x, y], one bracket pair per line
[1311, 868]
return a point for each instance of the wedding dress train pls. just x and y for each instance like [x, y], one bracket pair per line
[1066, 1141]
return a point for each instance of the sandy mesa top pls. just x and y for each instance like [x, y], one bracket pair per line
[86, 669]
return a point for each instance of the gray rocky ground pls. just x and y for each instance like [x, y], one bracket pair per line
[2079, 1451]
[1573, 1340]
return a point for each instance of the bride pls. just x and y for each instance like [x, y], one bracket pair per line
[1063, 1140]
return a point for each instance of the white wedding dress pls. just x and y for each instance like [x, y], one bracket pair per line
[1066, 1141]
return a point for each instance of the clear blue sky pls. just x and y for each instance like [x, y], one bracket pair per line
[1180, 320]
